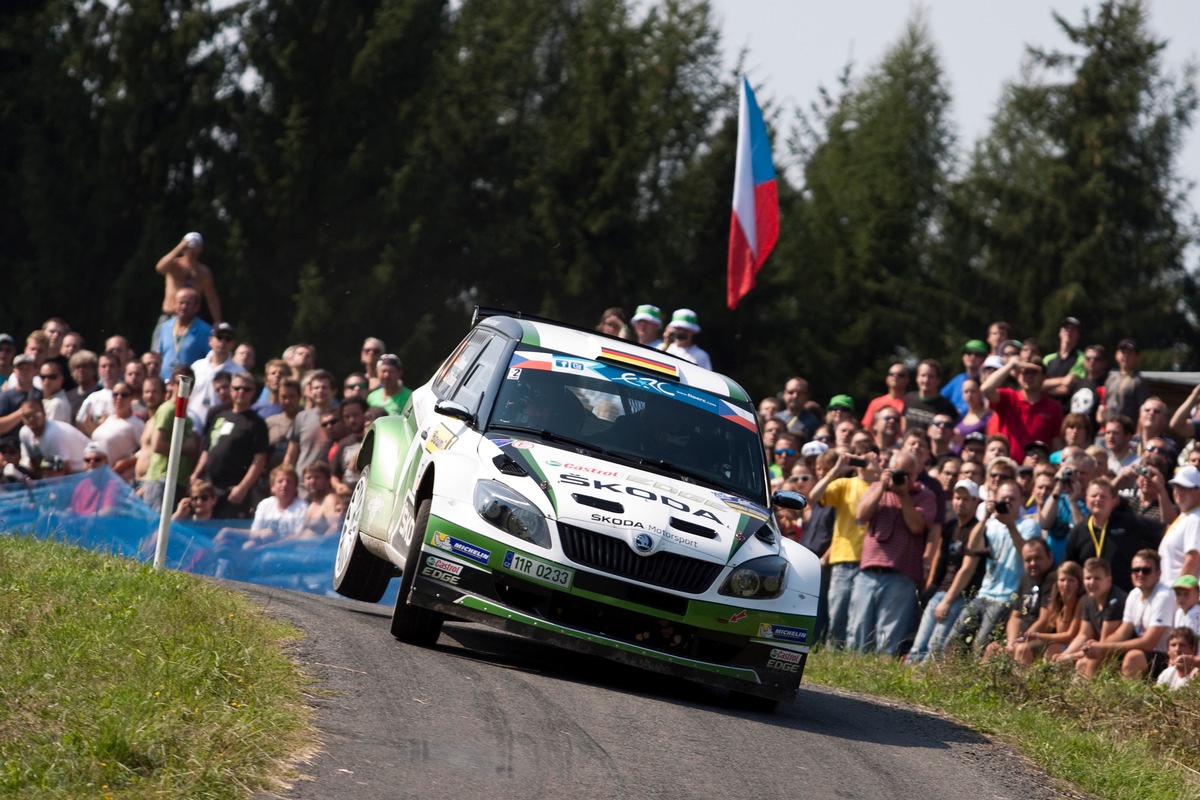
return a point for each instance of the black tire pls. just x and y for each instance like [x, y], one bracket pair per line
[412, 624]
[357, 573]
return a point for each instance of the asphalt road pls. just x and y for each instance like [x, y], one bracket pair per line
[486, 714]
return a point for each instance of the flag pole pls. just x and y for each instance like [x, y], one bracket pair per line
[178, 431]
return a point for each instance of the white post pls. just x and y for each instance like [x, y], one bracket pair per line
[168, 503]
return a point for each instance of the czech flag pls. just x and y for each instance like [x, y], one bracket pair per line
[755, 225]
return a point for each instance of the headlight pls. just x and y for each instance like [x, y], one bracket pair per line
[511, 513]
[759, 579]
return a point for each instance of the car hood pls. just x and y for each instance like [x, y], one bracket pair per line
[650, 511]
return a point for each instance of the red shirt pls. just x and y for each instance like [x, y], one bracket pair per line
[1024, 422]
[883, 401]
[889, 543]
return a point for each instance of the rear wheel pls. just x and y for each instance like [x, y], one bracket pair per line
[410, 623]
[357, 573]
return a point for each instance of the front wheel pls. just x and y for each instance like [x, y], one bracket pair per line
[412, 624]
[357, 573]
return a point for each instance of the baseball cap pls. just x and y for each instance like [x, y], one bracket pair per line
[1127, 344]
[648, 313]
[390, 359]
[1069, 321]
[95, 447]
[842, 401]
[223, 327]
[813, 449]
[993, 362]
[6, 339]
[1188, 477]
[1185, 582]
[971, 486]
[24, 358]
[1045, 448]
[975, 346]
[975, 437]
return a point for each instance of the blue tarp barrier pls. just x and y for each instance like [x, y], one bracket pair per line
[99, 511]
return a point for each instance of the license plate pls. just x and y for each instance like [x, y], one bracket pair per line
[538, 570]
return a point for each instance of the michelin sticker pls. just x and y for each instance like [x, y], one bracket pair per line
[782, 632]
[445, 541]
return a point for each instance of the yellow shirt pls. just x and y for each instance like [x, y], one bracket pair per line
[844, 494]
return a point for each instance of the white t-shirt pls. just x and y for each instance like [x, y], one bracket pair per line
[1182, 536]
[693, 353]
[283, 521]
[1189, 618]
[57, 439]
[58, 407]
[203, 397]
[1156, 611]
[1169, 677]
[120, 438]
[96, 405]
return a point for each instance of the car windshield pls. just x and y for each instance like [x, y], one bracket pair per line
[647, 420]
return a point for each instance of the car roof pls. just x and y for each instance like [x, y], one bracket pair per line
[570, 340]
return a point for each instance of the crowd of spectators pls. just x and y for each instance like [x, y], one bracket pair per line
[1037, 504]
[278, 450]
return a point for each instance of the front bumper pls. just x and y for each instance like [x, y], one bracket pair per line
[717, 644]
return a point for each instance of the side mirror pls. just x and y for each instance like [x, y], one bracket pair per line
[793, 500]
[449, 408]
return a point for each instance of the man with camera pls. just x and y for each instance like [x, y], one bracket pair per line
[996, 541]
[1064, 508]
[899, 512]
[681, 338]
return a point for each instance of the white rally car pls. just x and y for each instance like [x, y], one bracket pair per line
[589, 492]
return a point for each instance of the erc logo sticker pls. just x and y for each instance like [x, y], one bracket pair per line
[783, 632]
[445, 541]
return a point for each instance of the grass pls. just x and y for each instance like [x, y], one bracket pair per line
[1112, 738]
[122, 682]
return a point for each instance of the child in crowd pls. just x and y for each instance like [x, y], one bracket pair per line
[1181, 651]
[1187, 602]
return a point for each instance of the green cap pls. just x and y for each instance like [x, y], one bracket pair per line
[843, 401]
[1185, 581]
[647, 313]
[976, 346]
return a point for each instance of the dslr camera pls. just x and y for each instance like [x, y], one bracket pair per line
[1002, 506]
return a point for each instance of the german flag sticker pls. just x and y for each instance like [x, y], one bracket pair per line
[638, 361]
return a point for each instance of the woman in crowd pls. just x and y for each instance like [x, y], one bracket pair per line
[1058, 622]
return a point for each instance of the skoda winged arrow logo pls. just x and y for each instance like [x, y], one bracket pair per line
[643, 543]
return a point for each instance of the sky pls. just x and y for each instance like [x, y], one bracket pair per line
[793, 47]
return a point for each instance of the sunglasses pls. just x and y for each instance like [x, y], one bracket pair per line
[53, 376]
[94, 460]
[897, 374]
[241, 388]
[998, 475]
[1141, 570]
[328, 423]
[941, 424]
[371, 350]
[122, 394]
[205, 497]
[786, 451]
[804, 478]
[224, 337]
[355, 386]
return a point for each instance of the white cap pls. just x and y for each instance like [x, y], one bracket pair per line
[1187, 477]
[971, 486]
[993, 362]
[813, 449]
[193, 239]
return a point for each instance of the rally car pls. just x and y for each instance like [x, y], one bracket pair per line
[589, 492]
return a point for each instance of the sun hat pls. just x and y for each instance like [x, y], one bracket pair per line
[648, 313]
[685, 318]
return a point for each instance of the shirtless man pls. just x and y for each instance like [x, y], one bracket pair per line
[183, 269]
